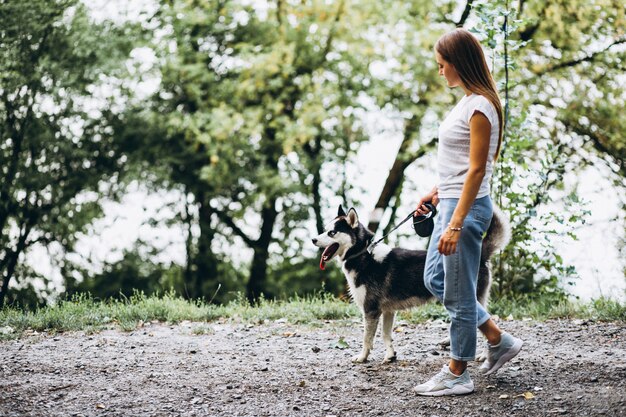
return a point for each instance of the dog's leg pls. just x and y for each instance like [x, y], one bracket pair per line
[371, 323]
[482, 356]
[482, 293]
[390, 354]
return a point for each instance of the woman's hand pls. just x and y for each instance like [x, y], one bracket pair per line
[449, 241]
[432, 197]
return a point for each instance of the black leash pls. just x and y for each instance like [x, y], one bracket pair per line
[417, 220]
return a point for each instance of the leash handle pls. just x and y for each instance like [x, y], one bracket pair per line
[433, 212]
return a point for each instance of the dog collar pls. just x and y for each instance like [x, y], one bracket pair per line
[361, 252]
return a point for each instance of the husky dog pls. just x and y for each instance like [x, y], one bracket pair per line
[391, 279]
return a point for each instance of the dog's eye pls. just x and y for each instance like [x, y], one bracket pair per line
[332, 233]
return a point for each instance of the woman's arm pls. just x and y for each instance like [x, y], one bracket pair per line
[480, 134]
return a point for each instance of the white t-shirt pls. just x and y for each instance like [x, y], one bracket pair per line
[454, 146]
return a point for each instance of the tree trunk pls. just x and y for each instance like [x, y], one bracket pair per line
[258, 271]
[395, 177]
[7, 277]
[205, 279]
[394, 209]
[313, 153]
[188, 221]
[11, 257]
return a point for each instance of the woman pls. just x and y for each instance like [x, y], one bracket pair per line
[469, 143]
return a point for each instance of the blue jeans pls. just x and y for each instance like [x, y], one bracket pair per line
[452, 279]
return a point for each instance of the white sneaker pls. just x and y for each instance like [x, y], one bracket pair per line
[446, 383]
[498, 355]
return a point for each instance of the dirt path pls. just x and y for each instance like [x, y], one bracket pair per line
[277, 369]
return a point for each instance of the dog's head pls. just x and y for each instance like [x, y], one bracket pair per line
[343, 233]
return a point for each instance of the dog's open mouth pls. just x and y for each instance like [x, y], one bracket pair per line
[328, 254]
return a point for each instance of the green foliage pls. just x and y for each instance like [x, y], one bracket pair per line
[548, 306]
[426, 312]
[133, 273]
[528, 170]
[523, 184]
[574, 66]
[606, 309]
[56, 142]
[258, 112]
[252, 105]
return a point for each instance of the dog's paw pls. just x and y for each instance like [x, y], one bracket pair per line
[483, 355]
[359, 359]
[390, 359]
[444, 342]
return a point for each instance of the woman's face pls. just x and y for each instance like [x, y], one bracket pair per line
[447, 70]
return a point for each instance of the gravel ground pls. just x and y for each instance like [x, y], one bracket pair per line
[575, 368]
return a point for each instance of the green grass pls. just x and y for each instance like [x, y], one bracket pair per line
[83, 313]
[546, 307]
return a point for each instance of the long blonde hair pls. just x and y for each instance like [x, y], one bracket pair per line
[461, 49]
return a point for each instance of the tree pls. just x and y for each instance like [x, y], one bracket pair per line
[56, 146]
[251, 106]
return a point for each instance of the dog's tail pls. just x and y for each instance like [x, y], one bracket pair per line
[497, 237]
[498, 234]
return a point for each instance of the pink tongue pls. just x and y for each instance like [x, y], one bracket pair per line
[322, 263]
[322, 260]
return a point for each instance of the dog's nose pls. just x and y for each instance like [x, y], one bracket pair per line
[314, 241]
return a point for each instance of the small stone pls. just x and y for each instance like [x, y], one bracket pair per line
[315, 349]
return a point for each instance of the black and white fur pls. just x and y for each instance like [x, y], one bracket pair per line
[391, 279]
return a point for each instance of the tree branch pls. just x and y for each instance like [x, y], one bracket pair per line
[331, 35]
[228, 221]
[13, 256]
[528, 32]
[395, 177]
[598, 141]
[571, 63]
[279, 12]
[466, 13]
[412, 157]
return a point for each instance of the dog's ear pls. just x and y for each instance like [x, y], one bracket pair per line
[353, 218]
[340, 212]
